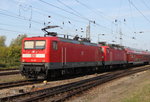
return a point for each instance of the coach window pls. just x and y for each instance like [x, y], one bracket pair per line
[55, 45]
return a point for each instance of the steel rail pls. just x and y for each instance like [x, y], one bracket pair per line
[9, 73]
[3, 69]
[18, 83]
[62, 92]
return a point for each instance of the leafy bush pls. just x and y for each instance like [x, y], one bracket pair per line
[10, 56]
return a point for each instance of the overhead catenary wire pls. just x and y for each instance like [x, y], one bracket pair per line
[145, 4]
[46, 13]
[138, 10]
[131, 13]
[60, 8]
[73, 10]
[17, 17]
[77, 15]
[119, 9]
[10, 25]
[64, 22]
[27, 9]
[83, 16]
[40, 11]
[95, 23]
[97, 12]
[100, 14]
[14, 15]
[12, 30]
[71, 18]
[16, 31]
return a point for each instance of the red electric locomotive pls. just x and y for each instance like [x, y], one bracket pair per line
[54, 56]
[114, 55]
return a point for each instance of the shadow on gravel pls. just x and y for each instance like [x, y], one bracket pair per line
[64, 77]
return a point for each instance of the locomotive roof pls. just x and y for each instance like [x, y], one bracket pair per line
[111, 45]
[114, 46]
[133, 50]
[77, 41]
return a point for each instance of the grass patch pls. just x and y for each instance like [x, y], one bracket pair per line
[10, 66]
[141, 95]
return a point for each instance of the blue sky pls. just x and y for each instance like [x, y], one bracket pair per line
[15, 16]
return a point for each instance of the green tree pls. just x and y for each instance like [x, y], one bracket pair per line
[18, 40]
[14, 52]
[3, 51]
[10, 56]
[2, 41]
[3, 54]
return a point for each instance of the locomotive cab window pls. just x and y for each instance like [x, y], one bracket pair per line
[28, 44]
[40, 44]
[55, 45]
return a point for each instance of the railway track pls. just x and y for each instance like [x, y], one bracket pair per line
[18, 83]
[1, 69]
[2, 73]
[63, 92]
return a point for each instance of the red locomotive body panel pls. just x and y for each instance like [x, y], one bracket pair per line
[114, 55]
[71, 53]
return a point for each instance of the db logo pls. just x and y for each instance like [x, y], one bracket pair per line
[33, 55]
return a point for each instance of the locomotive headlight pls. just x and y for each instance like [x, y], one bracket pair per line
[43, 60]
[23, 60]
